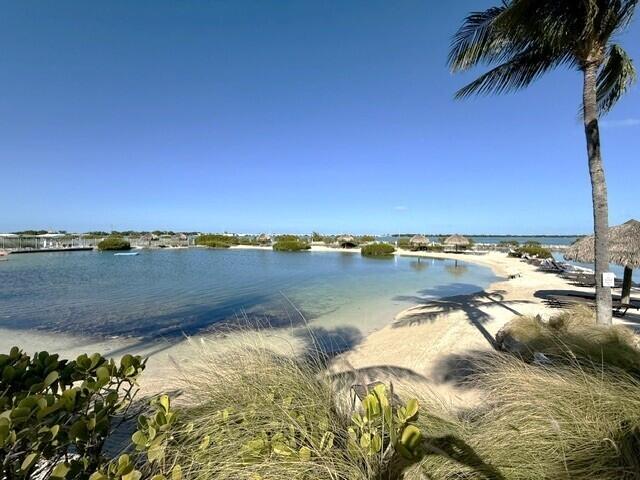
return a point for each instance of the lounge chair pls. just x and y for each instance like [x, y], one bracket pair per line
[551, 266]
[573, 298]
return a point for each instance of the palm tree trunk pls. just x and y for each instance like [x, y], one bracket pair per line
[598, 193]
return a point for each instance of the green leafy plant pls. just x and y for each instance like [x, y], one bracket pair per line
[55, 415]
[377, 250]
[114, 243]
[151, 440]
[532, 249]
[290, 243]
[385, 428]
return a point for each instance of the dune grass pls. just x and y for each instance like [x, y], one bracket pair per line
[565, 422]
[577, 417]
[254, 414]
[251, 413]
[575, 331]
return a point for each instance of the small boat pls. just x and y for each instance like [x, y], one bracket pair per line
[4, 255]
[128, 254]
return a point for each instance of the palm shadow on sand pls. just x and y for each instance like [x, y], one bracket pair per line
[471, 304]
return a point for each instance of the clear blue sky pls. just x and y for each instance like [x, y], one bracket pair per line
[296, 115]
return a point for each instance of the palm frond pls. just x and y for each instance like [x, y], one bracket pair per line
[515, 74]
[615, 78]
[618, 14]
[476, 39]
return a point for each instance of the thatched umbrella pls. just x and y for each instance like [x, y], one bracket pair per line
[624, 249]
[347, 241]
[457, 241]
[419, 241]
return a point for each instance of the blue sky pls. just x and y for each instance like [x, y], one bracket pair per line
[288, 115]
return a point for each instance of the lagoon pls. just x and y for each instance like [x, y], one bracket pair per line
[168, 293]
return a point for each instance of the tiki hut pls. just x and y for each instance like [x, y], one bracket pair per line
[419, 242]
[457, 242]
[624, 249]
[347, 241]
[263, 239]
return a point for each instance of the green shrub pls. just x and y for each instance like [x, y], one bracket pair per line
[290, 243]
[216, 241]
[403, 243]
[114, 243]
[377, 250]
[52, 408]
[532, 250]
[249, 241]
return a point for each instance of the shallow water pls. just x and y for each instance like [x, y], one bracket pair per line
[166, 293]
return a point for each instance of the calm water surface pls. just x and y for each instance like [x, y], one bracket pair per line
[167, 293]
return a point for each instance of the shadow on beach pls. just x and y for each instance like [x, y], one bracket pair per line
[430, 309]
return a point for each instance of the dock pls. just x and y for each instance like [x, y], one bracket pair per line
[45, 250]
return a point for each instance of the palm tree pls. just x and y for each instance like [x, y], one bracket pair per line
[522, 40]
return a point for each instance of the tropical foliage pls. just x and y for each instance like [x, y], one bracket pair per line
[531, 250]
[290, 243]
[216, 241]
[55, 415]
[114, 243]
[377, 250]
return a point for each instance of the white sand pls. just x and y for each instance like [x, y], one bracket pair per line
[418, 347]
[426, 344]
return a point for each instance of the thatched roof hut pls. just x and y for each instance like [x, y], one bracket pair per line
[457, 241]
[347, 241]
[419, 241]
[263, 238]
[624, 249]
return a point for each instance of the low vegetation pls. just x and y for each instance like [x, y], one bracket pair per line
[114, 244]
[254, 414]
[55, 415]
[216, 241]
[567, 422]
[569, 410]
[531, 249]
[377, 250]
[290, 243]
[575, 331]
[572, 411]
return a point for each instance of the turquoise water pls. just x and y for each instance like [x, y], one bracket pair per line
[167, 293]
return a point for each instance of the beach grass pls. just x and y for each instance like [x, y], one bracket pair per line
[569, 422]
[254, 414]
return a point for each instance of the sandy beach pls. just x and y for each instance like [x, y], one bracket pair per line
[421, 346]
